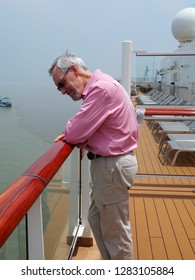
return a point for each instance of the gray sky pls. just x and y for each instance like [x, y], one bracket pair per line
[34, 32]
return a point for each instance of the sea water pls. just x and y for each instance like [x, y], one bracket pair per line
[27, 129]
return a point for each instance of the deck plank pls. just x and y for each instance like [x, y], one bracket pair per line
[152, 218]
[158, 249]
[193, 244]
[133, 227]
[142, 232]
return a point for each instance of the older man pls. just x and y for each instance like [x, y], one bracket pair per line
[106, 126]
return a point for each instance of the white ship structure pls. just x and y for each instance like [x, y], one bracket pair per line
[177, 73]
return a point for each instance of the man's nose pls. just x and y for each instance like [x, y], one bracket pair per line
[63, 91]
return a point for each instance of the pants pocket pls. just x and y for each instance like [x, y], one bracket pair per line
[127, 168]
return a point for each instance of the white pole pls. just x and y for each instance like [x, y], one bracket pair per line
[73, 206]
[35, 231]
[126, 65]
[85, 195]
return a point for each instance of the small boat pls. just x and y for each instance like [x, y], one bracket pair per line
[5, 102]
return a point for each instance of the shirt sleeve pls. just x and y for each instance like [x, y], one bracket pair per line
[93, 112]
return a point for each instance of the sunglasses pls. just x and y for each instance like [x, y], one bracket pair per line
[61, 84]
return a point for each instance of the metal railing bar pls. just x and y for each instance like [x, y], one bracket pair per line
[145, 175]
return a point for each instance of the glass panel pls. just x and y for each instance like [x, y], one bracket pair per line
[15, 246]
[147, 70]
[56, 208]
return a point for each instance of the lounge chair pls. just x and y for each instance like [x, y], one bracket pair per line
[174, 137]
[148, 94]
[151, 92]
[167, 100]
[148, 99]
[157, 99]
[174, 148]
[167, 127]
[177, 101]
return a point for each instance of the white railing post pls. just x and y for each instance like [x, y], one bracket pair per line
[85, 188]
[79, 202]
[35, 231]
[74, 184]
[126, 65]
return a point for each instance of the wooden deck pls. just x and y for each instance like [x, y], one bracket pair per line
[162, 210]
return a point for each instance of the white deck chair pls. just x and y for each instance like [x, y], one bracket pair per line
[168, 128]
[174, 148]
[149, 99]
[174, 137]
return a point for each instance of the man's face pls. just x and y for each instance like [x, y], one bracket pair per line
[68, 82]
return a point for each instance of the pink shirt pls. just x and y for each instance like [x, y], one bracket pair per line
[106, 123]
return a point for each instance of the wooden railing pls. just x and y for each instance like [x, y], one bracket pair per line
[17, 199]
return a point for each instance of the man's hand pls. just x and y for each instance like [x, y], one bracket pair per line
[59, 138]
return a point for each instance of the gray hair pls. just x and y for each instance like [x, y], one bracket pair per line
[65, 61]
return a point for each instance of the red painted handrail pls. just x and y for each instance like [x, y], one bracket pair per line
[17, 199]
[170, 111]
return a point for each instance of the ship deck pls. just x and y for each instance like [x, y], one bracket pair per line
[162, 208]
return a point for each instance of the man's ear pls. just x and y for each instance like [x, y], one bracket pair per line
[74, 69]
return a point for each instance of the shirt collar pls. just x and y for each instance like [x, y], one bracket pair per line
[92, 80]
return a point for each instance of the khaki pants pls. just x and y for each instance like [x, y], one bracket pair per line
[109, 210]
